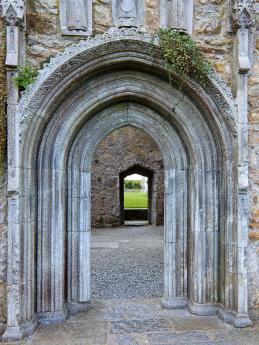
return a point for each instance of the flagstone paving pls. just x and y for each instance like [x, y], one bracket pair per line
[128, 262]
[141, 322]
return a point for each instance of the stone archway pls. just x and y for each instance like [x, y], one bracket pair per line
[82, 96]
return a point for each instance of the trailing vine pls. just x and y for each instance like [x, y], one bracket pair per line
[182, 55]
[26, 75]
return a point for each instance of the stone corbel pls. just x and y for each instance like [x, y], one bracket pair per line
[13, 12]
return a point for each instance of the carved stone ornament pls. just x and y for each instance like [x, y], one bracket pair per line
[243, 14]
[13, 11]
[128, 13]
[176, 14]
[79, 53]
[76, 17]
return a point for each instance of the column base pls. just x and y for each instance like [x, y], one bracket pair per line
[19, 332]
[76, 307]
[203, 309]
[175, 303]
[235, 319]
[47, 318]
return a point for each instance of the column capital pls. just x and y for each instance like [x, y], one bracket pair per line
[242, 14]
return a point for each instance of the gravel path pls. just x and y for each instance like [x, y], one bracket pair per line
[127, 262]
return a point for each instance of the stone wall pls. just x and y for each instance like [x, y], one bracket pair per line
[253, 103]
[210, 29]
[3, 220]
[120, 151]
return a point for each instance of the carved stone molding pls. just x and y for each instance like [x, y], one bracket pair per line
[128, 13]
[243, 14]
[116, 39]
[13, 11]
[76, 17]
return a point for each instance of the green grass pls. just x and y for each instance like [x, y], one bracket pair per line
[135, 200]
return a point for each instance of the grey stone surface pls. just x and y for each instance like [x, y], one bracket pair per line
[128, 13]
[177, 14]
[111, 322]
[133, 269]
[76, 17]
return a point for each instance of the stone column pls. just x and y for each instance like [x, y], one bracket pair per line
[175, 237]
[79, 231]
[169, 298]
[13, 12]
[242, 21]
[84, 232]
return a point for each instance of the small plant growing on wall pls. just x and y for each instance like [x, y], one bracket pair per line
[26, 75]
[182, 55]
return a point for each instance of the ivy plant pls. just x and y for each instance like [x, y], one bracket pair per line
[26, 75]
[182, 55]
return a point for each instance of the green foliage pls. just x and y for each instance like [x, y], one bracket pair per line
[131, 184]
[182, 55]
[136, 200]
[46, 61]
[26, 75]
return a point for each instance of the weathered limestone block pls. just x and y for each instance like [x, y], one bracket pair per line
[40, 22]
[151, 15]
[253, 276]
[102, 18]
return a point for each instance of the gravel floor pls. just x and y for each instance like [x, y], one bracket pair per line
[127, 262]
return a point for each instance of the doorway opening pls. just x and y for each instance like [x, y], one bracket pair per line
[136, 189]
[127, 182]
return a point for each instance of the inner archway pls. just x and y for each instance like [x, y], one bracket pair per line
[153, 175]
[137, 197]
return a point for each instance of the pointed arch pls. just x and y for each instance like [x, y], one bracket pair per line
[84, 94]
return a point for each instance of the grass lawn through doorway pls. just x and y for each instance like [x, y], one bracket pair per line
[135, 200]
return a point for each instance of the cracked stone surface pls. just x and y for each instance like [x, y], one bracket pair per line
[141, 322]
